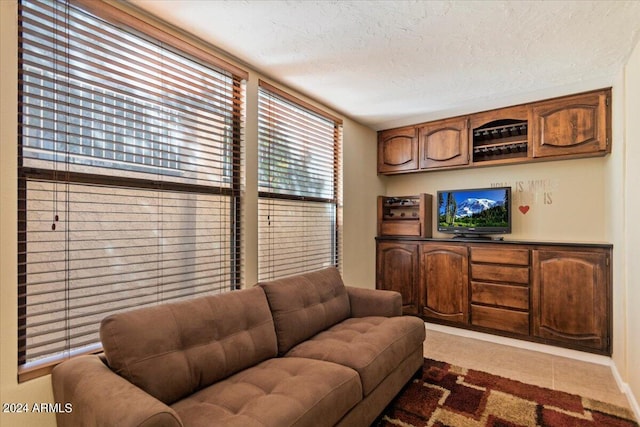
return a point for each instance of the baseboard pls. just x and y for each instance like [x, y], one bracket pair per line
[633, 402]
[527, 345]
[624, 387]
[548, 349]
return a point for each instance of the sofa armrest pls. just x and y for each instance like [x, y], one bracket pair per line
[97, 396]
[374, 302]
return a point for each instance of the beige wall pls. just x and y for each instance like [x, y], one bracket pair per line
[615, 221]
[631, 208]
[564, 198]
[361, 188]
[10, 392]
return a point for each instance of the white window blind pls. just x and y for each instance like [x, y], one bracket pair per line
[299, 186]
[129, 174]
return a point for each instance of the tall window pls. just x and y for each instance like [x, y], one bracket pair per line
[129, 173]
[299, 184]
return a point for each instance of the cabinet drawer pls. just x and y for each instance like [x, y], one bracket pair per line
[400, 228]
[500, 273]
[504, 295]
[500, 256]
[501, 319]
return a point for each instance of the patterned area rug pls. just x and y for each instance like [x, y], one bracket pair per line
[450, 396]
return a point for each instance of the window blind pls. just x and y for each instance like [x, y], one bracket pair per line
[299, 185]
[129, 175]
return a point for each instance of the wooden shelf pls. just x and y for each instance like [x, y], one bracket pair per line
[517, 129]
[501, 146]
[404, 216]
[413, 217]
[501, 139]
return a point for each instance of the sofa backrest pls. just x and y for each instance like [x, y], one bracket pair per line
[306, 304]
[172, 350]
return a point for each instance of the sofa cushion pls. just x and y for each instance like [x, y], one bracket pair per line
[278, 392]
[306, 304]
[172, 350]
[373, 346]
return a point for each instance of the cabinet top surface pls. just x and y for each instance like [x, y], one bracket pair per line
[467, 241]
[502, 111]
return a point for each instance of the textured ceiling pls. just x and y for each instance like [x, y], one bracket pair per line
[388, 63]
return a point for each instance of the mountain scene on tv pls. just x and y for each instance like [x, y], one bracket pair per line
[487, 208]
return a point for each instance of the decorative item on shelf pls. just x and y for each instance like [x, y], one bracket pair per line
[499, 140]
[405, 216]
[503, 131]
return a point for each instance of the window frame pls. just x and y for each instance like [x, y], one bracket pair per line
[150, 31]
[275, 196]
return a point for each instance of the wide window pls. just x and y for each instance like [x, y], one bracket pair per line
[299, 186]
[129, 173]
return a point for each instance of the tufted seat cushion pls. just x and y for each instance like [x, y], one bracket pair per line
[173, 350]
[373, 346]
[278, 392]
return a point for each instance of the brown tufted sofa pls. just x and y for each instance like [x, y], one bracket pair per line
[300, 351]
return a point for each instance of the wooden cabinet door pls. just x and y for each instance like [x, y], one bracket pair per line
[444, 283]
[397, 150]
[571, 297]
[397, 270]
[572, 125]
[444, 143]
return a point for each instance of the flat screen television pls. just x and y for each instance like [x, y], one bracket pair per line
[476, 212]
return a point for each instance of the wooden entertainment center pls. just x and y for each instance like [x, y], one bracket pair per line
[557, 293]
[553, 293]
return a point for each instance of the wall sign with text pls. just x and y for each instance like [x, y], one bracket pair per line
[530, 194]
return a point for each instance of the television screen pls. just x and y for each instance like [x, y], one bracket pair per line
[475, 211]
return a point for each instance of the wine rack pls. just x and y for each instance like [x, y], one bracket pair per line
[499, 140]
[405, 216]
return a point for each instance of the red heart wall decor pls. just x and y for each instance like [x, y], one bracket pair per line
[524, 209]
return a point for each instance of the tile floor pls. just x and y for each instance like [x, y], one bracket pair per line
[546, 370]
